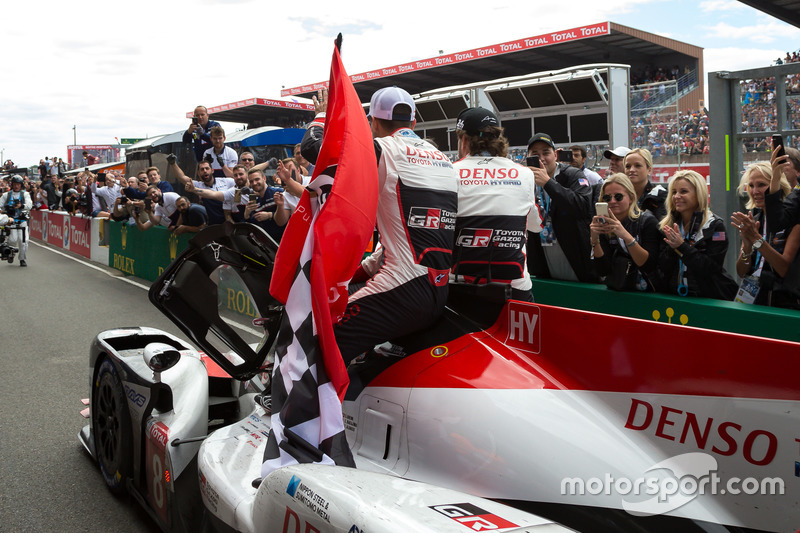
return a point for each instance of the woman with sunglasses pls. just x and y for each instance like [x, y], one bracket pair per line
[625, 243]
[695, 243]
[638, 165]
[766, 254]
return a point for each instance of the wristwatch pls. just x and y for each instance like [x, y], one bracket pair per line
[758, 243]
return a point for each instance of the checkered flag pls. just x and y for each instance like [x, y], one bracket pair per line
[307, 422]
[319, 252]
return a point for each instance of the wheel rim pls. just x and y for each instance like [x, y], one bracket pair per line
[108, 421]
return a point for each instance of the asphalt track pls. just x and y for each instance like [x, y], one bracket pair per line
[51, 310]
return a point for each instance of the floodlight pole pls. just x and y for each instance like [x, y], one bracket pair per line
[74, 135]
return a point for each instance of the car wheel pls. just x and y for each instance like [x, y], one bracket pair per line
[111, 426]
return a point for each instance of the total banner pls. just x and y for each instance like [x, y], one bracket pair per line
[63, 230]
[144, 254]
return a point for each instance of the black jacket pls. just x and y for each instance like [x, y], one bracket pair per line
[653, 200]
[201, 142]
[782, 214]
[703, 255]
[571, 211]
[645, 230]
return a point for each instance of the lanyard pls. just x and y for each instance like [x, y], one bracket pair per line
[683, 285]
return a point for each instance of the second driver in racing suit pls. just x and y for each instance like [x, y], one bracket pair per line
[417, 203]
[496, 205]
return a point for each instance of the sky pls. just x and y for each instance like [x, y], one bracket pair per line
[133, 70]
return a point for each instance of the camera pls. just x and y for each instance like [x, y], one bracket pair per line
[208, 159]
[565, 156]
[7, 252]
[123, 200]
[171, 158]
[532, 161]
[194, 120]
[247, 190]
[148, 204]
[272, 164]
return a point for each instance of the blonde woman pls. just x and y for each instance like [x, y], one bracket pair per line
[766, 254]
[625, 243]
[638, 165]
[695, 243]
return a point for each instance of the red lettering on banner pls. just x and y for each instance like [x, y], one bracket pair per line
[758, 448]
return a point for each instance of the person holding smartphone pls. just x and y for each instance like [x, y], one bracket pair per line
[625, 239]
[198, 132]
[561, 250]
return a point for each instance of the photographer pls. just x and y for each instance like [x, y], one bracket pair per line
[198, 132]
[17, 204]
[160, 208]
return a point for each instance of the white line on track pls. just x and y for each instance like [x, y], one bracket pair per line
[111, 274]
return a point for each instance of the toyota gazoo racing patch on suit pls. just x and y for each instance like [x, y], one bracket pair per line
[474, 237]
[430, 218]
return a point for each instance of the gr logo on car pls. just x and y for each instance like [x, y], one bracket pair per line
[473, 517]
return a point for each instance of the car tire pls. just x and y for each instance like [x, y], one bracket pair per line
[111, 428]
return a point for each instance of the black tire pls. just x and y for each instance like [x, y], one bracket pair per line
[111, 428]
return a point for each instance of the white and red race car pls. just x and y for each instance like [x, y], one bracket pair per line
[503, 416]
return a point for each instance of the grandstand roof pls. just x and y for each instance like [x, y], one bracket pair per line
[785, 10]
[606, 42]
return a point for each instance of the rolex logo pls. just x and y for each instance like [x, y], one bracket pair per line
[173, 246]
[124, 234]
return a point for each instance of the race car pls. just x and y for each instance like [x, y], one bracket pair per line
[501, 416]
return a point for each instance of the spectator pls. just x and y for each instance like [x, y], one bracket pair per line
[198, 132]
[236, 199]
[505, 207]
[43, 173]
[206, 181]
[222, 158]
[154, 178]
[106, 189]
[695, 243]
[265, 207]
[781, 213]
[615, 159]
[160, 209]
[294, 182]
[134, 191]
[89, 159]
[247, 160]
[410, 290]
[579, 162]
[791, 169]
[766, 256]
[302, 162]
[191, 219]
[625, 243]
[638, 165]
[564, 196]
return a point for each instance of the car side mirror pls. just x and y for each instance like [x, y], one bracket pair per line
[160, 357]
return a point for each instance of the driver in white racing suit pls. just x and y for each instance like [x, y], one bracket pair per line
[417, 203]
[16, 204]
[496, 205]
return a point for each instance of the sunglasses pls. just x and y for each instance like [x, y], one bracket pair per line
[618, 197]
[247, 159]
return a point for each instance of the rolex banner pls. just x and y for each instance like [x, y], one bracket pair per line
[144, 254]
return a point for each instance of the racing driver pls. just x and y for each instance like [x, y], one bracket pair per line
[496, 205]
[417, 202]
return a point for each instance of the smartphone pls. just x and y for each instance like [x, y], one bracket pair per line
[601, 210]
[777, 140]
[565, 156]
[194, 120]
[533, 161]
[148, 203]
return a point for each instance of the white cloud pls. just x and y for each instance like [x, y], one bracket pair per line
[715, 6]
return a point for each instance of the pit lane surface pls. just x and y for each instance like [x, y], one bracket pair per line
[52, 310]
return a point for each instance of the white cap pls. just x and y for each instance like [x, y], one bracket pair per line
[385, 100]
[619, 151]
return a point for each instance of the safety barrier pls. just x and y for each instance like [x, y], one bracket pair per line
[78, 234]
[756, 320]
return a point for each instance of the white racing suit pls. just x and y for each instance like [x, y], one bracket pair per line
[417, 202]
[496, 205]
[17, 216]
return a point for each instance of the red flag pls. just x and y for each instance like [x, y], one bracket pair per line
[345, 220]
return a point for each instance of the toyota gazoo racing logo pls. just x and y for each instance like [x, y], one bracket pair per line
[431, 218]
[474, 238]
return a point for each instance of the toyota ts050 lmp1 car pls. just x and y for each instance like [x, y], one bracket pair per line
[503, 416]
